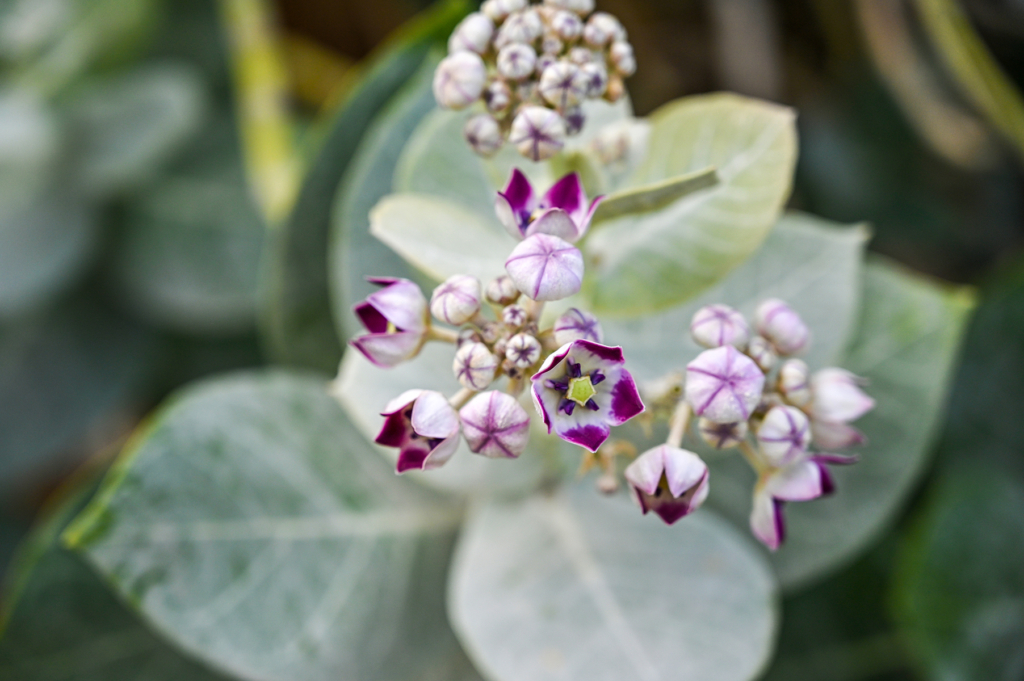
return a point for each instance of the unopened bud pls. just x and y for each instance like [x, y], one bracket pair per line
[621, 55]
[474, 366]
[498, 97]
[538, 133]
[516, 61]
[793, 382]
[495, 425]
[483, 135]
[552, 45]
[723, 385]
[546, 268]
[457, 300]
[576, 324]
[580, 7]
[574, 120]
[716, 325]
[601, 29]
[502, 291]
[459, 80]
[513, 316]
[762, 352]
[784, 435]
[523, 27]
[722, 435]
[497, 10]
[560, 85]
[594, 78]
[567, 25]
[581, 56]
[781, 325]
[473, 34]
[837, 397]
[522, 350]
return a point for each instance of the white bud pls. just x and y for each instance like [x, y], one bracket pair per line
[538, 133]
[498, 97]
[780, 324]
[492, 10]
[520, 27]
[566, 25]
[784, 435]
[483, 135]
[560, 84]
[473, 34]
[522, 350]
[716, 325]
[603, 28]
[794, 382]
[543, 62]
[516, 61]
[457, 300]
[551, 45]
[838, 397]
[581, 56]
[722, 435]
[513, 316]
[621, 54]
[580, 7]
[762, 352]
[594, 79]
[459, 80]
[474, 366]
[502, 291]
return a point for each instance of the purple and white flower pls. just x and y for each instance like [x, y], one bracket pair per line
[545, 267]
[563, 211]
[396, 317]
[474, 366]
[716, 325]
[576, 324]
[423, 426]
[780, 324]
[538, 133]
[784, 435]
[836, 396]
[495, 425]
[723, 385]
[802, 480]
[582, 390]
[670, 481]
[457, 300]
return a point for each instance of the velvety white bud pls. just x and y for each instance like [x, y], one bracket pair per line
[522, 350]
[574, 120]
[546, 268]
[581, 56]
[762, 352]
[794, 382]
[538, 133]
[473, 34]
[784, 435]
[580, 7]
[498, 97]
[520, 27]
[495, 425]
[459, 80]
[491, 9]
[483, 134]
[621, 55]
[560, 84]
[576, 324]
[566, 25]
[474, 366]
[516, 61]
[594, 79]
[502, 291]
[781, 325]
[513, 316]
[543, 62]
[722, 435]
[601, 29]
[716, 325]
[457, 300]
[499, 9]
[551, 45]
[837, 397]
[723, 385]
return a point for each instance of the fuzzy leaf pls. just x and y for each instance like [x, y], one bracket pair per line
[654, 196]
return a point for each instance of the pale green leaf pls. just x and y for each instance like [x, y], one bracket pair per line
[30, 143]
[254, 527]
[573, 585]
[641, 264]
[654, 196]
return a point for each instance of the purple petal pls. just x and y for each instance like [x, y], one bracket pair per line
[605, 353]
[388, 349]
[402, 303]
[766, 520]
[827, 485]
[838, 459]
[584, 224]
[513, 222]
[411, 458]
[832, 435]
[519, 193]
[566, 194]
[591, 436]
[626, 402]
[395, 431]
[374, 321]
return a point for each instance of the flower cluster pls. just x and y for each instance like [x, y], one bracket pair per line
[580, 388]
[747, 392]
[532, 66]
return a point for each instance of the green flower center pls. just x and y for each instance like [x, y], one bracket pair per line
[580, 390]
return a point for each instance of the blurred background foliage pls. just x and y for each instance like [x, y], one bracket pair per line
[167, 171]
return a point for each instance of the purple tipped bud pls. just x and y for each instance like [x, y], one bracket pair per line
[830, 436]
[475, 366]
[551, 45]
[594, 77]
[516, 61]
[722, 435]
[497, 10]
[581, 55]
[522, 27]
[423, 426]
[473, 34]
[502, 291]
[560, 84]
[762, 352]
[837, 396]
[784, 435]
[545, 267]
[580, 7]
[723, 385]
[576, 324]
[670, 481]
[566, 25]
[538, 133]
[794, 383]
[495, 425]
[483, 135]
[498, 97]
[781, 325]
[574, 120]
[457, 300]
[601, 29]
[513, 316]
[459, 80]
[716, 325]
[621, 55]
[522, 350]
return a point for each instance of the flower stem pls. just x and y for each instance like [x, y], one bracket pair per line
[439, 333]
[677, 424]
[460, 398]
[533, 308]
[753, 458]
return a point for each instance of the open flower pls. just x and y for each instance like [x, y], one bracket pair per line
[723, 385]
[495, 425]
[803, 480]
[582, 390]
[396, 317]
[670, 481]
[423, 426]
[563, 211]
[545, 267]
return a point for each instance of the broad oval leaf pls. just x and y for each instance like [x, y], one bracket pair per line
[654, 196]
[640, 264]
[579, 586]
[252, 525]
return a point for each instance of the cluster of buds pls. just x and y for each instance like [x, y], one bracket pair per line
[748, 393]
[580, 387]
[532, 66]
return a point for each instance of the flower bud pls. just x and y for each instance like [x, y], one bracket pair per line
[831, 436]
[474, 366]
[468, 335]
[574, 120]
[459, 80]
[594, 79]
[513, 316]
[543, 62]
[497, 10]
[601, 29]
[495, 425]
[621, 55]
[552, 45]
[716, 325]
[781, 325]
[502, 291]
[581, 55]
[670, 481]
[762, 352]
[837, 397]
[793, 383]
[566, 25]
[397, 320]
[523, 27]
[457, 300]
[545, 267]
[723, 385]
[483, 135]
[580, 7]
[722, 435]
[473, 34]
[538, 133]
[784, 435]
[522, 350]
[560, 84]
[498, 97]
[516, 61]
[576, 324]
[423, 426]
